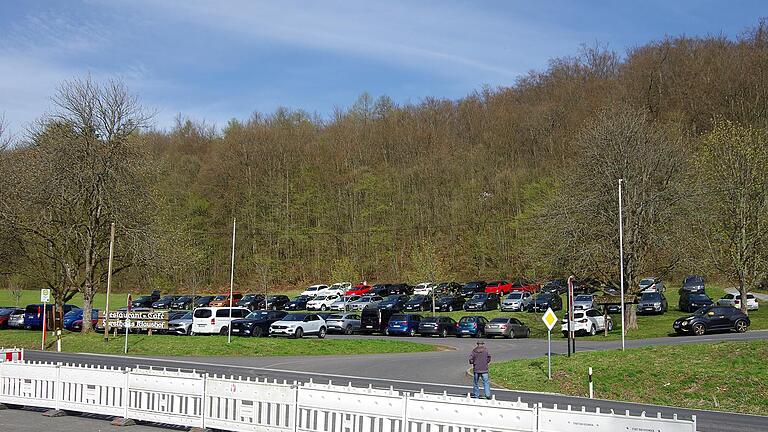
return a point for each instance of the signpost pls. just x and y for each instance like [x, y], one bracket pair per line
[45, 297]
[571, 336]
[550, 319]
[127, 324]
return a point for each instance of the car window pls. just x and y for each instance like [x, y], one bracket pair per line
[500, 320]
[353, 317]
[593, 313]
[728, 296]
[203, 313]
[467, 319]
[515, 321]
[578, 315]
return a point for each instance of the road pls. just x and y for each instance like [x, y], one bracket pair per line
[437, 372]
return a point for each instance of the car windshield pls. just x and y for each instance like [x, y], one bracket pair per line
[693, 280]
[583, 298]
[187, 315]
[219, 298]
[473, 285]
[168, 298]
[273, 298]
[248, 297]
[647, 281]
[515, 296]
[392, 298]
[335, 317]
[546, 297]
[480, 296]
[467, 319]
[257, 315]
[500, 320]
[418, 298]
[430, 319]
[699, 297]
[399, 317]
[184, 298]
[320, 298]
[203, 313]
[650, 297]
[445, 299]
[294, 317]
[143, 298]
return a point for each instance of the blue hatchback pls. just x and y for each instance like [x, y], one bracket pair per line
[404, 324]
[471, 326]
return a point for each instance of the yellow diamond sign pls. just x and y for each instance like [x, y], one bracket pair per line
[549, 318]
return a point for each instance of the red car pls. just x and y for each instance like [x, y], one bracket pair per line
[499, 287]
[5, 314]
[525, 285]
[358, 289]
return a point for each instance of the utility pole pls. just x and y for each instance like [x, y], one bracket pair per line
[109, 279]
[231, 281]
[621, 265]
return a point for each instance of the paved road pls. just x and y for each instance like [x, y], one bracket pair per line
[431, 371]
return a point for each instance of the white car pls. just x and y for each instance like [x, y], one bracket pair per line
[424, 288]
[322, 302]
[342, 302]
[313, 290]
[215, 320]
[516, 301]
[298, 325]
[583, 302]
[735, 301]
[336, 289]
[364, 302]
[651, 284]
[586, 322]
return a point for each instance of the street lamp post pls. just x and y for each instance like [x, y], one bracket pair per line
[621, 264]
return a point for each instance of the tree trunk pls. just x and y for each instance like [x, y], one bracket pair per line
[87, 307]
[630, 317]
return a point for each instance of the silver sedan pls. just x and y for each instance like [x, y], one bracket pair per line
[506, 327]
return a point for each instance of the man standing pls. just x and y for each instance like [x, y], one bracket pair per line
[479, 358]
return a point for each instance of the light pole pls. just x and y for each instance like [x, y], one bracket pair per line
[232, 281]
[621, 264]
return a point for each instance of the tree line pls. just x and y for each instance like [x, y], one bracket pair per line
[511, 181]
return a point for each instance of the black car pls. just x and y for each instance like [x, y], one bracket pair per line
[144, 301]
[394, 302]
[418, 302]
[712, 318]
[543, 301]
[482, 302]
[165, 302]
[691, 302]
[401, 288]
[250, 301]
[275, 302]
[556, 286]
[449, 303]
[438, 325]
[448, 288]
[256, 323]
[693, 283]
[375, 320]
[184, 302]
[471, 288]
[203, 301]
[653, 303]
[382, 290]
[586, 286]
[298, 303]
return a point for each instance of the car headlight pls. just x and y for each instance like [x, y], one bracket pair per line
[685, 323]
[657, 304]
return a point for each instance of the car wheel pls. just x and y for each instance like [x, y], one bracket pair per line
[348, 330]
[299, 333]
[479, 334]
[224, 330]
[699, 329]
[256, 332]
[321, 333]
[610, 325]
[323, 308]
[592, 331]
[528, 333]
[450, 308]
[511, 334]
[192, 333]
[386, 332]
[412, 332]
[740, 326]
[444, 333]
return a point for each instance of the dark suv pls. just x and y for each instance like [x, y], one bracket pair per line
[691, 302]
[250, 301]
[693, 283]
[712, 318]
[256, 323]
[544, 301]
[652, 303]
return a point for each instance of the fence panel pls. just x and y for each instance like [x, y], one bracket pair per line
[558, 420]
[166, 396]
[32, 384]
[245, 405]
[442, 413]
[92, 389]
[329, 408]
[11, 354]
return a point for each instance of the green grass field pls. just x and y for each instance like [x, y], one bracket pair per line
[725, 376]
[167, 345]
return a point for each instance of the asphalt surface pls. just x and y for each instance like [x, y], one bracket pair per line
[437, 372]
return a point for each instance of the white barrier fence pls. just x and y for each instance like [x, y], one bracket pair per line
[11, 354]
[189, 398]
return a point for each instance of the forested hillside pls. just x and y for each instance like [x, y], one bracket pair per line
[454, 189]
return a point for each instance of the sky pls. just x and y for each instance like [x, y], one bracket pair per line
[217, 60]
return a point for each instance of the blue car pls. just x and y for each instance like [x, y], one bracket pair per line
[33, 315]
[75, 316]
[405, 324]
[471, 326]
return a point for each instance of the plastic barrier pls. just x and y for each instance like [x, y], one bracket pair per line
[246, 405]
[11, 354]
[557, 420]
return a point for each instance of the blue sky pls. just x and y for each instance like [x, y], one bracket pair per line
[216, 60]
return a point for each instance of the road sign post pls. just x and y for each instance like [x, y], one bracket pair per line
[45, 297]
[127, 325]
[550, 319]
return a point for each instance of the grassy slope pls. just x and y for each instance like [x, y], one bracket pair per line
[726, 376]
[161, 345]
[650, 325]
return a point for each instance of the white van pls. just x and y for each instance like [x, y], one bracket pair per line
[213, 320]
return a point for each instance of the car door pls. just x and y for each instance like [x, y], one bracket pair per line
[720, 317]
[517, 326]
[311, 324]
[597, 319]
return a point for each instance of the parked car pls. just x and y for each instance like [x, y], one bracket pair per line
[222, 300]
[180, 325]
[298, 303]
[586, 286]
[394, 302]
[587, 322]
[165, 302]
[184, 302]
[375, 320]
[543, 301]
[250, 301]
[448, 288]
[358, 289]
[712, 318]
[274, 302]
[437, 325]
[257, 323]
[203, 301]
[449, 303]
[401, 288]
[144, 301]
[556, 286]
[506, 327]
[76, 315]
[499, 287]
[471, 326]
[322, 302]
[33, 314]
[471, 288]
[5, 316]
[516, 301]
[215, 320]
[690, 302]
[382, 290]
[425, 288]
[339, 288]
[16, 318]
[482, 302]
[652, 302]
[583, 302]
[525, 285]
[652, 284]
[364, 302]
[693, 283]
[342, 303]
[298, 325]
[346, 323]
[419, 302]
[734, 300]
[407, 324]
[314, 290]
